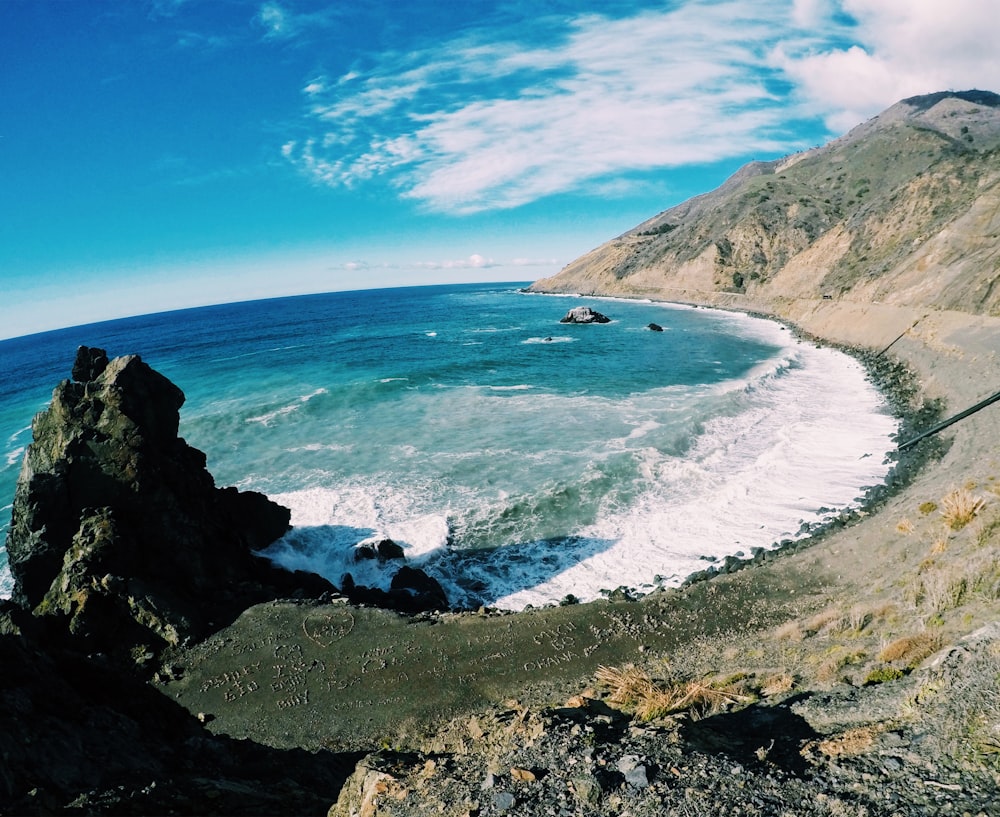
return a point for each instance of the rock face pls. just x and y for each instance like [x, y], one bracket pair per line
[584, 314]
[119, 537]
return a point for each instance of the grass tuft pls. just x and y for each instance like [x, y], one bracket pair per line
[960, 507]
[910, 649]
[633, 688]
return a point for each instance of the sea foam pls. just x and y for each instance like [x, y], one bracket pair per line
[805, 432]
[633, 454]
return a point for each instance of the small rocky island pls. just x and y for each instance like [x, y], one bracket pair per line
[584, 314]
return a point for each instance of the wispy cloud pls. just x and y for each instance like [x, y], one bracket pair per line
[471, 262]
[492, 121]
[474, 261]
[282, 23]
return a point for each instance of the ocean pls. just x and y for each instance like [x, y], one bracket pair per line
[516, 459]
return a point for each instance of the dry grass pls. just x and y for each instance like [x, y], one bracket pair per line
[904, 526]
[857, 618]
[789, 631]
[836, 660]
[633, 688]
[946, 586]
[960, 507]
[942, 590]
[777, 684]
[988, 532]
[829, 620]
[835, 621]
[847, 744]
[911, 649]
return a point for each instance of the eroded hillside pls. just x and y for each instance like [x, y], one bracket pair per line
[903, 210]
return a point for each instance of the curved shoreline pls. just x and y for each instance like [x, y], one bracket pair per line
[436, 667]
[895, 378]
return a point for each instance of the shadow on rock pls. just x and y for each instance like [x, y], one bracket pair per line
[754, 735]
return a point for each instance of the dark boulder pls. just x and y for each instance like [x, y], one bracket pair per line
[387, 550]
[654, 327]
[411, 591]
[384, 550]
[422, 586]
[584, 314]
[119, 537]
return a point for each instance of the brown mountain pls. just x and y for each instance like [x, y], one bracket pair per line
[904, 210]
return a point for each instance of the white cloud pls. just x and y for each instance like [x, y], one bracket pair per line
[901, 48]
[534, 262]
[808, 13]
[314, 87]
[474, 261]
[486, 122]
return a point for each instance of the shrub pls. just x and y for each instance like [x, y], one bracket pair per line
[880, 675]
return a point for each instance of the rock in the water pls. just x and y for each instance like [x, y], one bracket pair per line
[118, 529]
[584, 314]
[654, 327]
[364, 553]
[386, 549]
[426, 590]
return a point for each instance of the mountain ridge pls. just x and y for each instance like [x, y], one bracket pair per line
[860, 219]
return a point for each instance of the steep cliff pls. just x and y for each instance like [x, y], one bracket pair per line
[904, 210]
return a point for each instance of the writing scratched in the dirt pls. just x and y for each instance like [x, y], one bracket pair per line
[348, 661]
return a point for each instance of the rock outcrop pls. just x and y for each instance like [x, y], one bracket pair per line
[584, 314]
[119, 537]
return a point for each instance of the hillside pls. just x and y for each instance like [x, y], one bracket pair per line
[864, 218]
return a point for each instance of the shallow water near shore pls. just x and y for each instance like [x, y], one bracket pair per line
[516, 459]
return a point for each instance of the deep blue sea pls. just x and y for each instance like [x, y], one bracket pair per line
[516, 459]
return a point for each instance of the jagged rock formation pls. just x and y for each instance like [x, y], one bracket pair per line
[119, 536]
[863, 218]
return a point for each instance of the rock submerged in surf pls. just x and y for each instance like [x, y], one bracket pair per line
[584, 314]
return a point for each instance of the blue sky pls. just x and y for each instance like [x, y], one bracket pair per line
[157, 154]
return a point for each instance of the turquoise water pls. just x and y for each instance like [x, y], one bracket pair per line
[515, 458]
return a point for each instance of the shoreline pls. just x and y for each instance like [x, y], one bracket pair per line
[895, 380]
[871, 570]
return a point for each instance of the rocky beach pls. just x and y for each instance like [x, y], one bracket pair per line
[854, 673]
